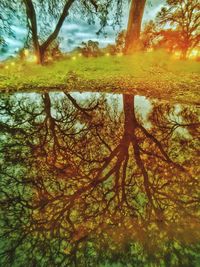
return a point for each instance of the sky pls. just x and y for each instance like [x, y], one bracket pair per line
[75, 31]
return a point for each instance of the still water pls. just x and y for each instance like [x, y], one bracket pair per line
[98, 180]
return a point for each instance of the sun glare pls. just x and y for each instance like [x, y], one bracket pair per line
[26, 52]
[32, 58]
[176, 55]
[194, 53]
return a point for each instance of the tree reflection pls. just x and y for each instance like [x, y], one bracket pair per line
[90, 183]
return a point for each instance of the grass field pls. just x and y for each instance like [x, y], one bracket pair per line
[151, 74]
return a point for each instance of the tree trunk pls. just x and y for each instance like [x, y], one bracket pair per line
[56, 31]
[37, 53]
[134, 25]
[32, 23]
[184, 54]
[40, 50]
[130, 126]
[129, 116]
[41, 56]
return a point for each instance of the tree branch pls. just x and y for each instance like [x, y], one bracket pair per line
[61, 20]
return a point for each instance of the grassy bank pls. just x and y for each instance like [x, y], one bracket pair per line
[150, 74]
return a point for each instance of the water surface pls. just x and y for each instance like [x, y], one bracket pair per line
[98, 180]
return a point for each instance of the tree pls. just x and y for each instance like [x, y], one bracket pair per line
[120, 41]
[134, 25]
[40, 49]
[170, 40]
[90, 49]
[119, 45]
[150, 35]
[153, 36]
[39, 16]
[184, 16]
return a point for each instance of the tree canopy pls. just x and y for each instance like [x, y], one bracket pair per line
[184, 17]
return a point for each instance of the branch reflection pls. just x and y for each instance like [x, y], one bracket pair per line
[96, 181]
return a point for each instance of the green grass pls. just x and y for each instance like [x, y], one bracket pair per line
[152, 74]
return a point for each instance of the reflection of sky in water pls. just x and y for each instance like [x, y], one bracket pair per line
[142, 104]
